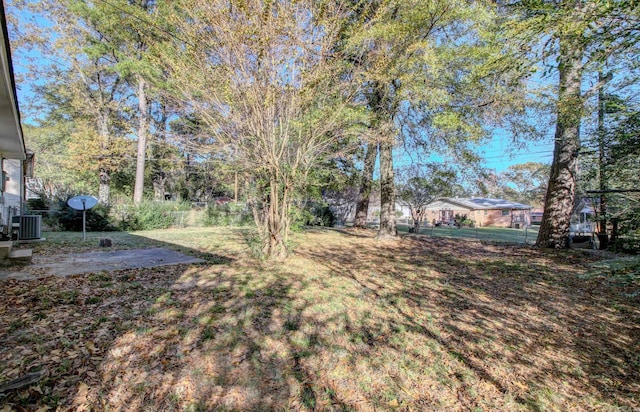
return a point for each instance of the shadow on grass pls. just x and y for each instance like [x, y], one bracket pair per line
[483, 234]
[220, 335]
[536, 334]
[347, 323]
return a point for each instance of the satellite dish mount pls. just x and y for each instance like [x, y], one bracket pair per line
[84, 203]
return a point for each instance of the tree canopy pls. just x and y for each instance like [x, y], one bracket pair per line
[272, 102]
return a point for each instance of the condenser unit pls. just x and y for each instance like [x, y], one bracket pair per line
[30, 226]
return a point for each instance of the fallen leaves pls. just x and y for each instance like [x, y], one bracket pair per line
[348, 323]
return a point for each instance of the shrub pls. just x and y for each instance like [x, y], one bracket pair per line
[46, 209]
[227, 214]
[149, 215]
[65, 218]
[318, 214]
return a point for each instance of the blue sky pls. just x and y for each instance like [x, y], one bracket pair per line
[499, 152]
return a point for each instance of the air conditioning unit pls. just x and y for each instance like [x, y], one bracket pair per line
[30, 226]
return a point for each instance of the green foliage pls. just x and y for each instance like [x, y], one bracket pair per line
[618, 271]
[462, 220]
[614, 163]
[528, 182]
[627, 244]
[227, 214]
[57, 214]
[317, 214]
[68, 219]
[149, 215]
[37, 204]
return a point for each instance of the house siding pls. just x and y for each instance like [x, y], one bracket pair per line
[446, 213]
[11, 199]
[481, 217]
[494, 217]
[343, 206]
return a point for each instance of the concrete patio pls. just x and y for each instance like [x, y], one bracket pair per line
[92, 262]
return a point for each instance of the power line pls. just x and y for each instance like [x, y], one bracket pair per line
[505, 157]
[510, 152]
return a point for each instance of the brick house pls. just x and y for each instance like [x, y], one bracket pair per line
[482, 211]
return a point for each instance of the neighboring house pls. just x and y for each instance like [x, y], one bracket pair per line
[536, 216]
[482, 211]
[584, 216]
[14, 161]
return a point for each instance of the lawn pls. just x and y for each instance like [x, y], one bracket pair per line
[493, 234]
[346, 323]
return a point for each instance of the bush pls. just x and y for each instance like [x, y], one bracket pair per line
[227, 214]
[38, 204]
[149, 215]
[65, 218]
[462, 220]
[42, 207]
[317, 214]
[628, 243]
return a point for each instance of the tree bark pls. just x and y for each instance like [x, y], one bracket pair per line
[602, 178]
[362, 207]
[159, 176]
[104, 170]
[388, 226]
[272, 216]
[159, 184]
[143, 125]
[104, 187]
[560, 197]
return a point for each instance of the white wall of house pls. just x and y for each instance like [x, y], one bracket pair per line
[10, 201]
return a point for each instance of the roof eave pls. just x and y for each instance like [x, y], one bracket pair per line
[14, 138]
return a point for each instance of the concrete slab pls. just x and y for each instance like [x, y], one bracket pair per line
[79, 263]
[20, 257]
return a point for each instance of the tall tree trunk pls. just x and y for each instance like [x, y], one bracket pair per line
[388, 226]
[159, 176]
[416, 220]
[362, 207]
[271, 208]
[602, 177]
[159, 180]
[104, 187]
[143, 125]
[560, 197]
[235, 188]
[187, 192]
[104, 170]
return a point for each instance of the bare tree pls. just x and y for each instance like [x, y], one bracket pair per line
[265, 78]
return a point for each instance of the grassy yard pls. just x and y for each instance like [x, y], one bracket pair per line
[346, 323]
[492, 234]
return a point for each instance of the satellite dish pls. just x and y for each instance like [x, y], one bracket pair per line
[82, 202]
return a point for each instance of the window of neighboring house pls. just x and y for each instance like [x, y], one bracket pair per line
[505, 212]
[485, 212]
